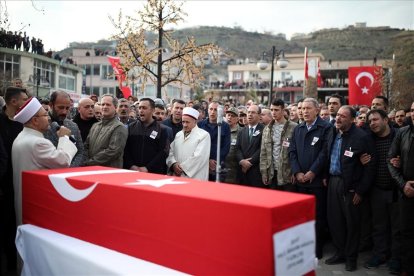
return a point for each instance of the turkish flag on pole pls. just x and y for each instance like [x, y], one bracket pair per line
[364, 84]
[120, 74]
[306, 63]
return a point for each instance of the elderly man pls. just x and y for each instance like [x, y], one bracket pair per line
[190, 150]
[403, 147]
[31, 151]
[85, 118]
[97, 110]
[122, 110]
[307, 154]
[266, 116]
[59, 108]
[148, 143]
[248, 149]
[106, 140]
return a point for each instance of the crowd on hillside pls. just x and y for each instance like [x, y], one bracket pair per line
[358, 161]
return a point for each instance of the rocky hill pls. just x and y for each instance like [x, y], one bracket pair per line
[336, 44]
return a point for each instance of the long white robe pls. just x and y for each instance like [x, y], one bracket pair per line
[31, 151]
[192, 153]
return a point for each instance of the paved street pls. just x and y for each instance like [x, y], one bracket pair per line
[327, 270]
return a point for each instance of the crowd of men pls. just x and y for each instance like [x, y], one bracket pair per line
[20, 41]
[358, 162]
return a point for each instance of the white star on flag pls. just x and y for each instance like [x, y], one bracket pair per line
[364, 90]
[156, 183]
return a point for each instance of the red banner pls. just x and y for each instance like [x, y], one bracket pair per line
[120, 74]
[364, 84]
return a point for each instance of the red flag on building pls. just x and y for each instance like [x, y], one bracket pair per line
[319, 77]
[306, 63]
[364, 84]
[120, 74]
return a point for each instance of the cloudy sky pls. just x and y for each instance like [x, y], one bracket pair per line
[60, 22]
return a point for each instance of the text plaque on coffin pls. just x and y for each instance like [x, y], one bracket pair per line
[192, 226]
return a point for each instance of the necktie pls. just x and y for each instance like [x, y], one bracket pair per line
[251, 133]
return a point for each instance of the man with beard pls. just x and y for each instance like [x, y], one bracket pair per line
[159, 112]
[147, 145]
[31, 151]
[59, 108]
[383, 198]
[399, 118]
[189, 152]
[85, 117]
[122, 110]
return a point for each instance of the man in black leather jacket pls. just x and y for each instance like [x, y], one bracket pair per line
[403, 146]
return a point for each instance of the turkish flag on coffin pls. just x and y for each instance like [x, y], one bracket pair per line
[197, 227]
[364, 84]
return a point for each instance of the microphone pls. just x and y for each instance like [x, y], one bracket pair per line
[55, 127]
[220, 114]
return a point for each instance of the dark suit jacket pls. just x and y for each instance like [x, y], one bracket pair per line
[250, 149]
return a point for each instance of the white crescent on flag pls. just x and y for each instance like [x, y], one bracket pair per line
[361, 75]
[70, 193]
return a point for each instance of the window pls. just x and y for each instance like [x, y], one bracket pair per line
[150, 91]
[9, 66]
[173, 92]
[107, 72]
[237, 75]
[96, 69]
[43, 74]
[108, 90]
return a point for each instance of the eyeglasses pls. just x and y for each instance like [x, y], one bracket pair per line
[362, 118]
[88, 106]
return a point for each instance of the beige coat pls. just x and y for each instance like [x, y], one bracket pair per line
[31, 151]
[192, 153]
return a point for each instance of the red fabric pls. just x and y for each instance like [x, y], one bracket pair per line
[306, 63]
[120, 74]
[364, 84]
[198, 227]
[319, 78]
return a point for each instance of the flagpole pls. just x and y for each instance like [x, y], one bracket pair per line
[305, 59]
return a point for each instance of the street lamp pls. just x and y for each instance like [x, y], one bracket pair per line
[281, 62]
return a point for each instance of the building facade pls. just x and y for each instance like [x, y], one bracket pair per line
[245, 79]
[98, 77]
[40, 74]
